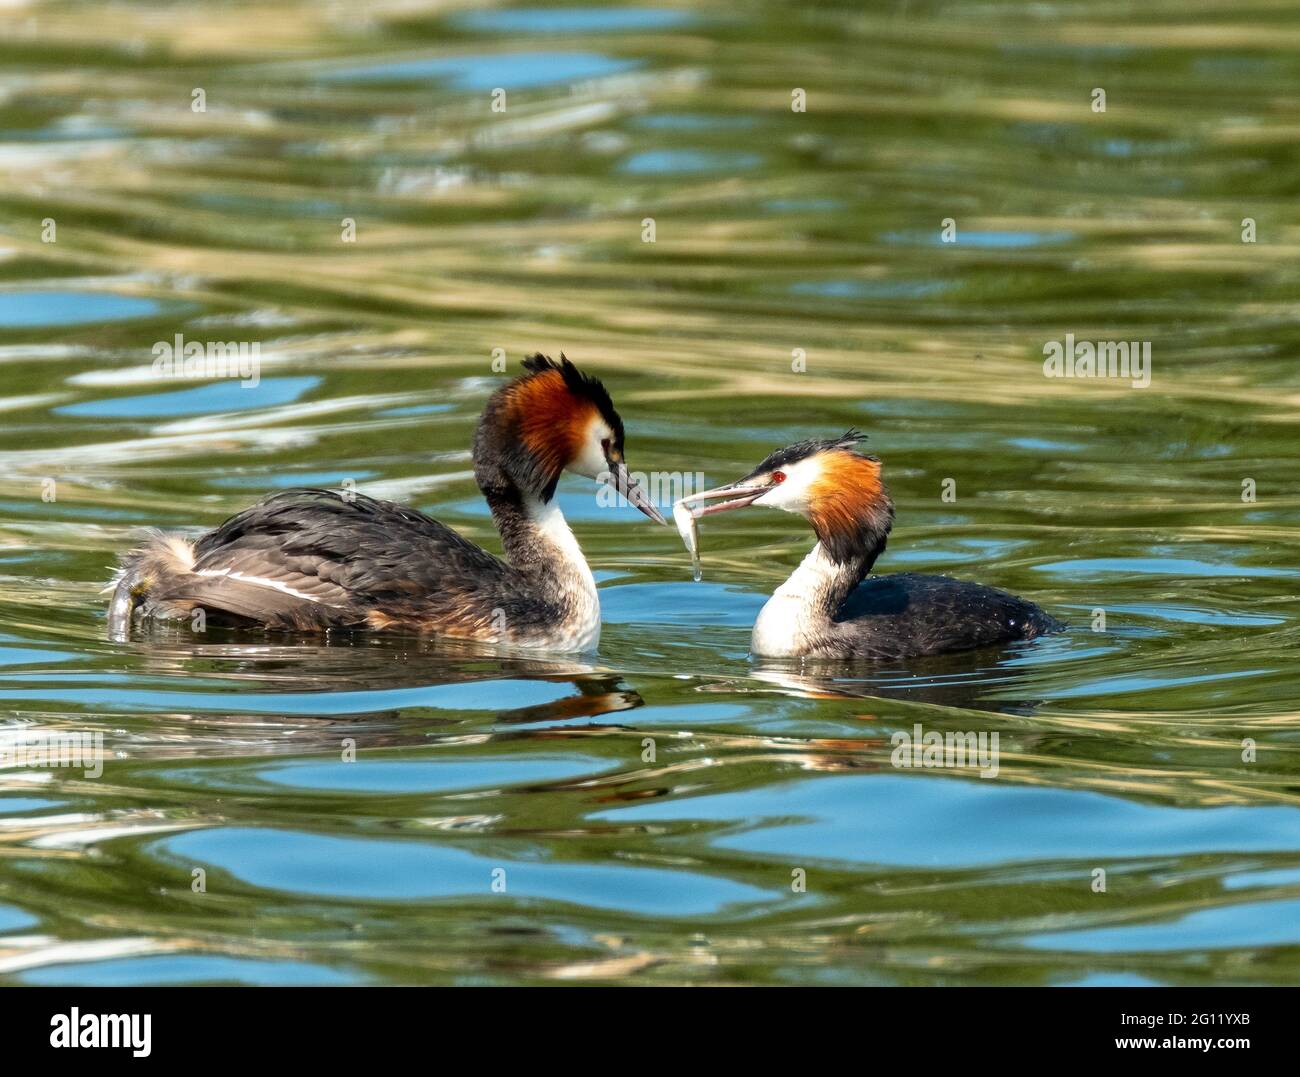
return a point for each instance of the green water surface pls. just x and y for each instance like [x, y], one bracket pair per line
[503, 821]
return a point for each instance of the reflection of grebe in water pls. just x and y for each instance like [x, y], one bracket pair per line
[399, 691]
[313, 559]
[827, 608]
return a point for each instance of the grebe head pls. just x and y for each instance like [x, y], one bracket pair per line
[837, 490]
[551, 419]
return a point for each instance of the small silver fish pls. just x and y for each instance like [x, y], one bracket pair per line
[689, 528]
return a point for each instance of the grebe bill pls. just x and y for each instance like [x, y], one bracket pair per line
[828, 608]
[315, 559]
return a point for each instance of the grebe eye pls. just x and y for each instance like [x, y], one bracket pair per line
[778, 476]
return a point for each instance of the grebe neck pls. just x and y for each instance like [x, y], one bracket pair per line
[802, 609]
[540, 545]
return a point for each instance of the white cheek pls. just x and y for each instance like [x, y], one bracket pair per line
[780, 497]
[590, 462]
[791, 495]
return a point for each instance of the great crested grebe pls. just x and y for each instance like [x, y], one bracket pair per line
[826, 609]
[314, 559]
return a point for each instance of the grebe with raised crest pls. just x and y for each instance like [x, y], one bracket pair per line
[310, 559]
[829, 607]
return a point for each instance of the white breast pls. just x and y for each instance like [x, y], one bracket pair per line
[580, 631]
[796, 610]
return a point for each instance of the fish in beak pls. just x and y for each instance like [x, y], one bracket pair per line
[687, 516]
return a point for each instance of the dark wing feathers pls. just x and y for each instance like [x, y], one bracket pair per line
[908, 614]
[332, 559]
[239, 599]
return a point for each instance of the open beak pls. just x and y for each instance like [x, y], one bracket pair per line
[740, 496]
[619, 479]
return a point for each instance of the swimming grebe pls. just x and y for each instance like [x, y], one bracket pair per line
[315, 559]
[826, 609]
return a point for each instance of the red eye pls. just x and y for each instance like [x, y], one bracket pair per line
[778, 476]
